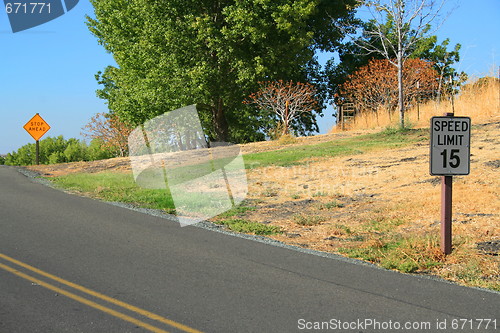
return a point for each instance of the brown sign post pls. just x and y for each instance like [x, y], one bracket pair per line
[446, 213]
[449, 156]
[37, 127]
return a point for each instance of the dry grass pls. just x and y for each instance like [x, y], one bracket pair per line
[480, 102]
[384, 207]
[122, 164]
[381, 206]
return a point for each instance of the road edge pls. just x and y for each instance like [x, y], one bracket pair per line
[37, 178]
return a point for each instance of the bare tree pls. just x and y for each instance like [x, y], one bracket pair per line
[287, 99]
[111, 130]
[394, 30]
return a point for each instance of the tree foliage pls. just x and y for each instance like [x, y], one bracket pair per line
[211, 53]
[352, 59]
[449, 79]
[288, 100]
[352, 56]
[398, 29]
[111, 131]
[58, 150]
[376, 84]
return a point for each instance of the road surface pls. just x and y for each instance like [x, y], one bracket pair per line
[73, 264]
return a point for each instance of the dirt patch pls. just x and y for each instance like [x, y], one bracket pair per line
[54, 170]
[493, 164]
[490, 248]
[348, 193]
[123, 164]
[349, 190]
[327, 204]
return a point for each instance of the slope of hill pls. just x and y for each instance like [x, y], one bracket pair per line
[375, 202]
[384, 207]
[361, 193]
[479, 99]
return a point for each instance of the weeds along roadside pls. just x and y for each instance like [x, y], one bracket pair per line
[392, 248]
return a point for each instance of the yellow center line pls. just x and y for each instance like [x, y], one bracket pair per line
[96, 294]
[83, 300]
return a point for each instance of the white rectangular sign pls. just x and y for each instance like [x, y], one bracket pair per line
[450, 146]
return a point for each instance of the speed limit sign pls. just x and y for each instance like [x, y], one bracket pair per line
[450, 146]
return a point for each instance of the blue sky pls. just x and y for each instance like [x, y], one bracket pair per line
[50, 69]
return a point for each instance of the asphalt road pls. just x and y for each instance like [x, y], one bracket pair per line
[72, 264]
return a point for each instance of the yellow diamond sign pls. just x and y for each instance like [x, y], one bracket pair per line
[36, 127]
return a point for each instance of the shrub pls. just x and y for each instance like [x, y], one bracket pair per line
[58, 150]
[308, 220]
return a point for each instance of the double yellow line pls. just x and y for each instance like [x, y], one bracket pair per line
[95, 294]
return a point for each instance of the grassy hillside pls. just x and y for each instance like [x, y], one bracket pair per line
[479, 100]
[366, 196]
[117, 183]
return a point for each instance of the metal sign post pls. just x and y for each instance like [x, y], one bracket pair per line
[37, 148]
[449, 156]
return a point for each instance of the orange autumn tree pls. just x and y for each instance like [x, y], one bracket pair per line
[287, 99]
[109, 129]
[376, 85]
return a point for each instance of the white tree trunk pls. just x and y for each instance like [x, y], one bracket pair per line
[401, 103]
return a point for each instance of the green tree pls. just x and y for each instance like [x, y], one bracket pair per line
[10, 159]
[2, 160]
[76, 151]
[23, 156]
[353, 57]
[212, 53]
[56, 157]
[395, 31]
[52, 150]
[449, 78]
[97, 150]
[51, 145]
